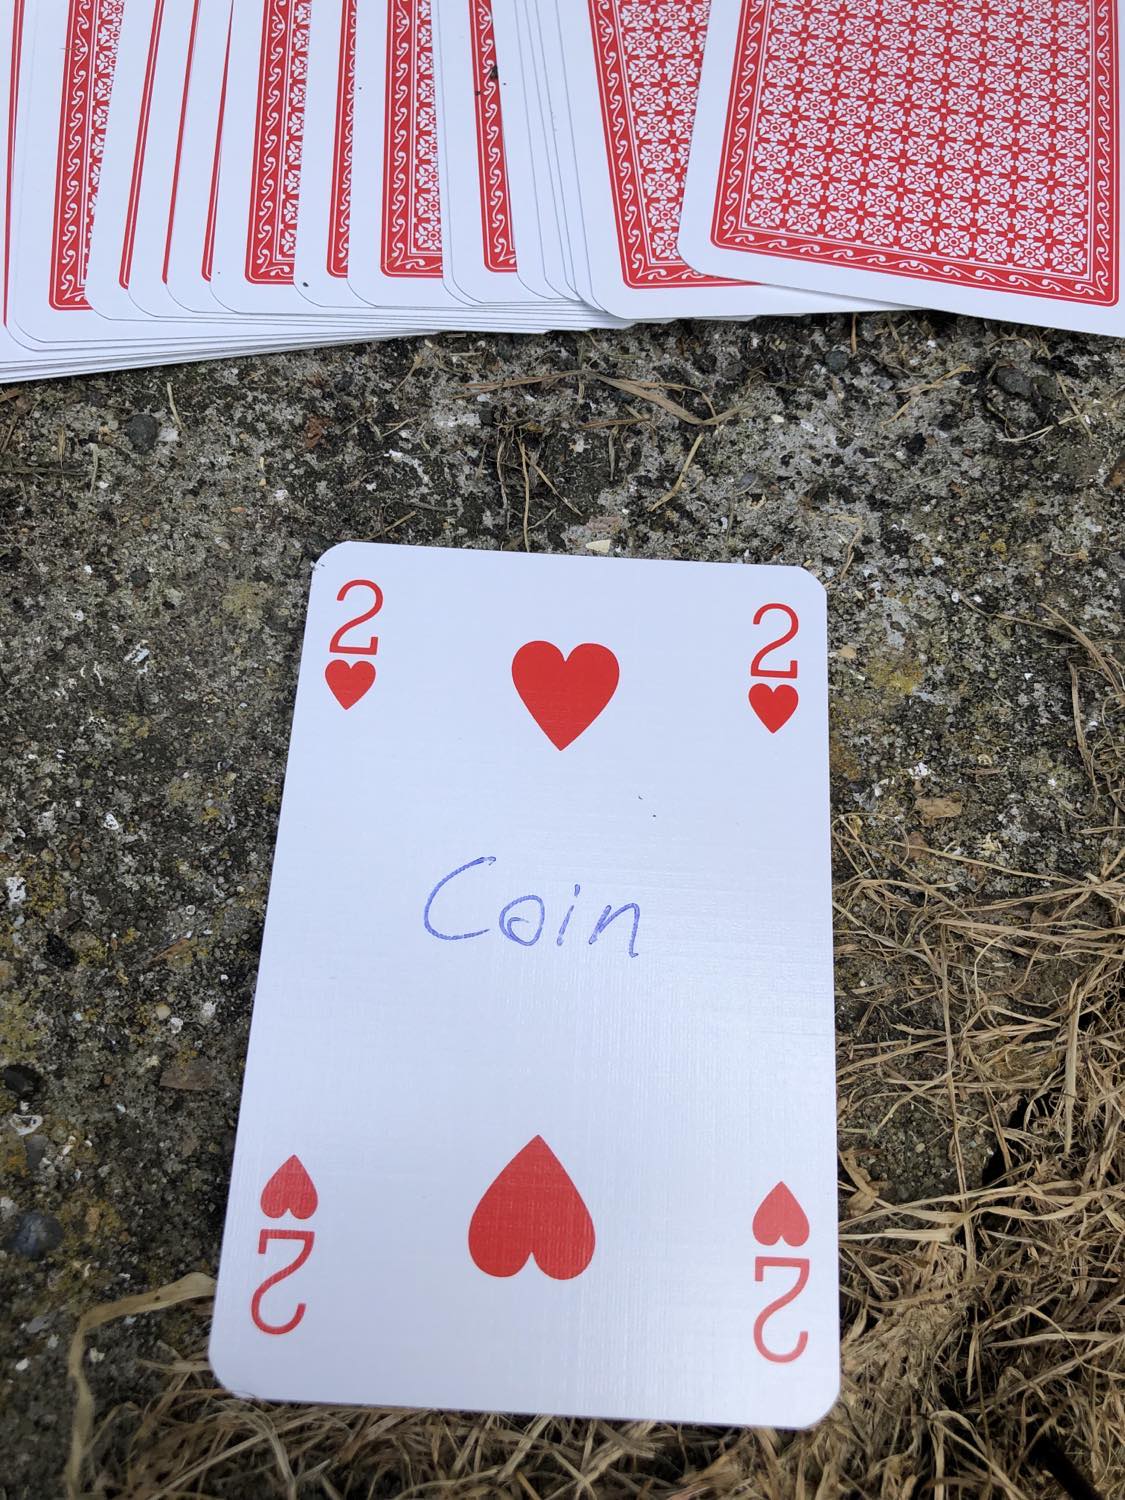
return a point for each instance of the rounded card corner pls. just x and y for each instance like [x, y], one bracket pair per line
[225, 1367]
[816, 583]
[331, 554]
[821, 1402]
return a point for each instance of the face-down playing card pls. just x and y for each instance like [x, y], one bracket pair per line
[964, 156]
[539, 1105]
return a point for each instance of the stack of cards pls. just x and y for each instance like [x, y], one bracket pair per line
[188, 179]
[539, 1110]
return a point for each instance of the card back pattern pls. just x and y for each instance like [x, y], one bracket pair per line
[411, 239]
[92, 36]
[495, 200]
[969, 144]
[648, 55]
[279, 127]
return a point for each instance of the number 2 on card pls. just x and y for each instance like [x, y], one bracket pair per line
[337, 641]
[756, 668]
[774, 706]
[349, 681]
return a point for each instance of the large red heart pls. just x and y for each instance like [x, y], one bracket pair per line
[780, 1217]
[290, 1190]
[349, 680]
[773, 705]
[564, 694]
[532, 1209]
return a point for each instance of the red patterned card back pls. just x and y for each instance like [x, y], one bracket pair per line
[968, 142]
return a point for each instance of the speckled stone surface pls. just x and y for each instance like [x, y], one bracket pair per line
[948, 480]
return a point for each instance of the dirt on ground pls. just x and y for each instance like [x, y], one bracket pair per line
[957, 486]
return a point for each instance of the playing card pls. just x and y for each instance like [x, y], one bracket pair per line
[965, 158]
[396, 231]
[537, 233]
[539, 1105]
[395, 254]
[67, 73]
[15, 357]
[187, 266]
[97, 341]
[70, 86]
[324, 210]
[146, 153]
[540, 32]
[632, 76]
[263, 130]
[480, 260]
[479, 255]
[126, 265]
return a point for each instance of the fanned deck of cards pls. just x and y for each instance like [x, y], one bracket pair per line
[190, 178]
[539, 1108]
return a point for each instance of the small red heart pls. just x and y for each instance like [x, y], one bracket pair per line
[780, 1217]
[532, 1209]
[289, 1191]
[564, 694]
[349, 680]
[773, 705]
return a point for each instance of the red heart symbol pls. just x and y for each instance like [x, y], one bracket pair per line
[773, 705]
[349, 680]
[564, 694]
[780, 1217]
[290, 1190]
[532, 1208]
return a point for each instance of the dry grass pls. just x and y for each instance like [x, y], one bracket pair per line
[984, 1330]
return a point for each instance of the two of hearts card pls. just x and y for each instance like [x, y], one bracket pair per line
[181, 179]
[539, 1107]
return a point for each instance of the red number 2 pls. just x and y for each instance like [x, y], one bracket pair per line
[756, 668]
[337, 641]
[762, 1263]
[304, 1238]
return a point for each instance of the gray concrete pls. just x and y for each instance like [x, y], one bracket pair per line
[158, 531]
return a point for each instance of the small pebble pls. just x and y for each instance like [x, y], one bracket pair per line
[34, 1235]
[35, 1149]
[836, 360]
[1015, 382]
[58, 953]
[22, 1081]
[142, 431]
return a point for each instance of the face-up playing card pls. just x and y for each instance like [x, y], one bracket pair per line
[963, 156]
[539, 1106]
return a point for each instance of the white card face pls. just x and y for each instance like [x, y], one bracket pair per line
[539, 1108]
[632, 75]
[970, 163]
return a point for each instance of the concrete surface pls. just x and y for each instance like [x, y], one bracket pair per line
[945, 478]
